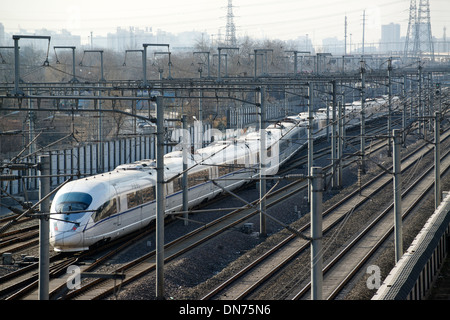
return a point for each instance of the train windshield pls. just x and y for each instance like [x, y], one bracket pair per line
[73, 202]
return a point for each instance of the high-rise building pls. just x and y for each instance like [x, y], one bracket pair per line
[390, 38]
[2, 34]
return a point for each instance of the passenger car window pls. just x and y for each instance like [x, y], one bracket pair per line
[105, 210]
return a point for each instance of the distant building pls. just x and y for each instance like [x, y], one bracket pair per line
[333, 46]
[304, 43]
[62, 38]
[133, 38]
[127, 39]
[2, 35]
[390, 38]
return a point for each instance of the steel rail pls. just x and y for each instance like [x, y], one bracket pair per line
[373, 224]
[303, 229]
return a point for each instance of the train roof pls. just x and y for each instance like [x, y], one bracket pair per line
[126, 176]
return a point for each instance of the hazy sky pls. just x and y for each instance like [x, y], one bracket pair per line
[282, 19]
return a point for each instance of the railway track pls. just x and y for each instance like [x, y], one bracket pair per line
[22, 238]
[145, 265]
[254, 275]
[19, 239]
[341, 269]
[23, 283]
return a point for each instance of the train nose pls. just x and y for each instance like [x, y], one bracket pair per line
[67, 241]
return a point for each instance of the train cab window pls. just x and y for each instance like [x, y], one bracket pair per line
[72, 201]
[105, 210]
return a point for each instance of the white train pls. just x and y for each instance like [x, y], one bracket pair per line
[109, 205]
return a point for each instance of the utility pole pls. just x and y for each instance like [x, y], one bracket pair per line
[340, 144]
[263, 162]
[389, 120]
[404, 111]
[363, 117]
[437, 159]
[334, 158]
[184, 179]
[44, 228]
[420, 111]
[316, 233]
[310, 134]
[397, 196]
[160, 198]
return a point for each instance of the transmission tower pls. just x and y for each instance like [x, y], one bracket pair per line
[411, 32]
[419, 40]
[230, 36]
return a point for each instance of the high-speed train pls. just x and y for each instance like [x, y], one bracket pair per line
[106, 206]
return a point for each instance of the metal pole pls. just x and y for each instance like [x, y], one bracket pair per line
[334, 159]
[144, 67]
[340, 145]
[343, 125]
[310, 134]
[160, 198]
[200, 116]
[437, 160]
[74, 79]
[44, 228]
[363, 118]
[404, 112]
[209, 72]
[101, 66]
[263, 163]
[316, 233]
[295, 63]
[389, 123]
[218, 75]
[420, 115]
[397, 196]
[101, 153]
[255, 64]
[16, 66]
[184, 179]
